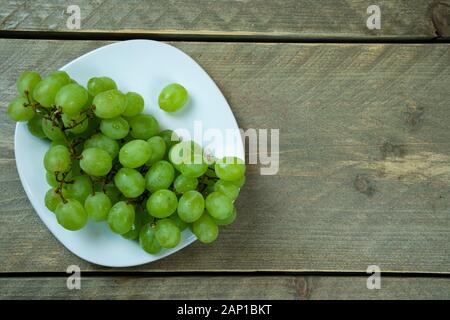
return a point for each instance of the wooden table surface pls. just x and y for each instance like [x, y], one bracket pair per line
[364, 154]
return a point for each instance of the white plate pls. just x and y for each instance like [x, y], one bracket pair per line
[145, 67]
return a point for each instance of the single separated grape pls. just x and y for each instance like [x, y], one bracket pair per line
[97, 206]
[173, 97]
[95, 162]
[230, 168]
[205, 229]
[71, 215]
[219, 206]
[52, 199]
[115, 128]
[45, 91]
[147, 239]
[167, 233]
[109, 104]
[18, 110]
[57, 159]
[71, 98]
[130, 182]
[159, 176]
[135, 153]
[143, 126]
[103, 142]
[26, 82]
[191, 206]
[184, 183]
[158, 147]
[162, 203]
[121, 217]
[98, 85]
[35, 127]
[134, 104]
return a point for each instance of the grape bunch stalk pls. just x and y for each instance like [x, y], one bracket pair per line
[108, 162]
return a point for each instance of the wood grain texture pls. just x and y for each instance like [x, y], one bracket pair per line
[364, 159]
[294, 19]
[231, 287]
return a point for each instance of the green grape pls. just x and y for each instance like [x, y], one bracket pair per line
[130, 182]
[35, 127]
[112, 192]
[57, 159]
[205, 229]
[230, 168]
[45, 91]
[219, 206]
[240, 182]
[52, 132]
[133, 234]
[103, 142]
[180, 223]
[173, 97]
[115, 128]
[134, 104]
[75, 169]
[71, 98]
[61, 75]
[26, 82]
[227, 188]
[18, 110]
[95, 162]
[186, 152]
[158, 147]
[162, 204]
[79, 188]
[167, 233]
[159, 176]
[51, 177]
[184, 183]
[191, 206]
[97, 206]
[226, 221]
[71, 215]
[58, 143]
[78, 123]
[109, 104]
[98, 85]
[92, 128]
[147, 239]
[52, 200]
[170, 138]
[194, 169]
[121, 217]
[135, 153]
[143, 126]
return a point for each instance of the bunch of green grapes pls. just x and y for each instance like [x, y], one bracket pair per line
[107, 161]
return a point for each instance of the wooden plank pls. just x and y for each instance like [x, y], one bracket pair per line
[220, 287]
[364, 159]
[287, 19]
